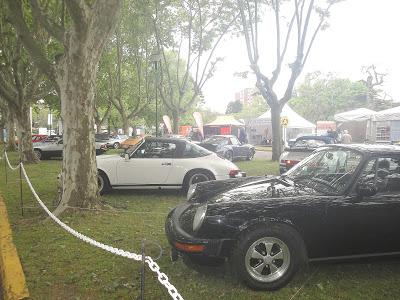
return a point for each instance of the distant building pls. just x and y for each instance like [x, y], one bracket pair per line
[246, 96]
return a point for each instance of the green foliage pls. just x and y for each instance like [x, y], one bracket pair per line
[253, 109]
[320, 96]
[234, 107]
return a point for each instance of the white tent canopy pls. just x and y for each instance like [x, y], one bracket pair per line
[295, 120]
[225, 121]
[391, 114]
[358, 115]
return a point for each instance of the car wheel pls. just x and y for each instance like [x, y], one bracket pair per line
[251, 154]
[229, 155]
[267, 258]
[201, 264]
[116, 145]
[104, 184]
[38, 154]
[196, 176]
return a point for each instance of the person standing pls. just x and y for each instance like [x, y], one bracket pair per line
[346, 137]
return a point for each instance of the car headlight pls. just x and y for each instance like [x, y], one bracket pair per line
[191, 191]
[199, 217]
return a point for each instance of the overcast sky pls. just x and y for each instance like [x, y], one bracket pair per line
[361, 32]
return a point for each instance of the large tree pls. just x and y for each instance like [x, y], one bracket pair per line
[81, 28]
[321, 96]
[376, 98]
[190, 30]
[21, 85]
[305, 21]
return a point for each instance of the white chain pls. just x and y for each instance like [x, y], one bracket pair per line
[162, 277]
[8, 162]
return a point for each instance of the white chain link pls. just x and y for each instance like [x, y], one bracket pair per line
[162, 277]
[8, 162]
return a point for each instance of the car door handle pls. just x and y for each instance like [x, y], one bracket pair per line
[166, 164]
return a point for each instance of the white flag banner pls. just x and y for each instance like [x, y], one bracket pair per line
[167, 122]
[199, 122]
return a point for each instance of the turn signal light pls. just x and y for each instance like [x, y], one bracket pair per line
[189, 247]
[233, 173]
[289, 163]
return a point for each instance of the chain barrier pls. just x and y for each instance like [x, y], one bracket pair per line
[162, 277]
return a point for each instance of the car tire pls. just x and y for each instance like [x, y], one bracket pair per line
[116, 145]
[104, 183]
[196, 176]
[261, 270]
[229, 155]
[251, 154]
[39, 154]
[201, 264]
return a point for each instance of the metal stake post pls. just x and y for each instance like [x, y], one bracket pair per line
[20, 186]
[142, 277]
[5, 163]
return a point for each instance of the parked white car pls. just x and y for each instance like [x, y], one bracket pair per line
[115, 142]
[162, 163]
[55, 149]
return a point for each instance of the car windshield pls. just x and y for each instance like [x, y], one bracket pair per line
[132, 148]
[328, 171]
[215, 140]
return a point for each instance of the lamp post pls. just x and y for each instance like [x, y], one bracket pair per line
[156, 58]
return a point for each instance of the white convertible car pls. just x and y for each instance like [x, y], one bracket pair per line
[162, 163]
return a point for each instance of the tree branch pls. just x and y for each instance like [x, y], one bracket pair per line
[52, 28]
[27, 39]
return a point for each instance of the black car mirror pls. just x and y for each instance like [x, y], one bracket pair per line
[366, 190]
[287, 148]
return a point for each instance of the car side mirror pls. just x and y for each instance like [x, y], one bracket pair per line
[126, 157]
[366, 190]
[287, 148]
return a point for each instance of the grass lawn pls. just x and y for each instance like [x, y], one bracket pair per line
[58, 266]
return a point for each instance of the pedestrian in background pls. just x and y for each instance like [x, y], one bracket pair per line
[346, 137]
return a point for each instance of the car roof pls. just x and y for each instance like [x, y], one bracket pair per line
[315, 137]
[222, 135]
[368, 148]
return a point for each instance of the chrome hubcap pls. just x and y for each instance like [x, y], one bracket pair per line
[267, 259]
[196, 178]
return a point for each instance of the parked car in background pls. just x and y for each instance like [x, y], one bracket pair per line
[115, 141]
[162, 163]
[341, 202]
[131, 141]
[55, 149]
[229, 147]
[301, 148]
[37, 138]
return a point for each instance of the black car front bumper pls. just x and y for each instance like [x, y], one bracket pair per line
[177, 238]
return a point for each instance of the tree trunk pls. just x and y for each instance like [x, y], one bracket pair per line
[79, 173]
[175, 122]
[10, 131]
[276, 132]
[24, 135]
[125, 124]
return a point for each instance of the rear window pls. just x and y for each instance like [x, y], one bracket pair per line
[192, 150]
[312, 143]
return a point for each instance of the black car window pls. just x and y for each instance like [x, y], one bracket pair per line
[156, 149]
[328, 171]
[220, 140]
[383, 173]
[192, 151]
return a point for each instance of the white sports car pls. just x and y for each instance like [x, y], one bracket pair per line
[162, 163]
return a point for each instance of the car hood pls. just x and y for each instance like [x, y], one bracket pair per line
[105, 158]
[249, 189]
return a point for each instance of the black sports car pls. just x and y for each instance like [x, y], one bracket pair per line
[229, 147]
[340, 202]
